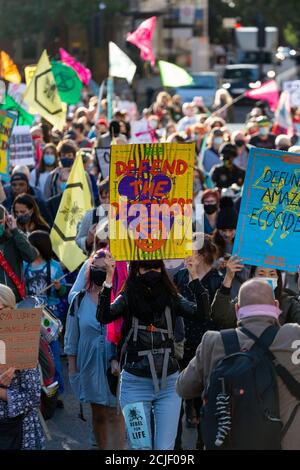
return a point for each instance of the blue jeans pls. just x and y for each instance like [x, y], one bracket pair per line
[165, 405]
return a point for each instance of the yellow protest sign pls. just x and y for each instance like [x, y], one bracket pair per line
[42, 95]
[29, 72]
[76, 200]
[151, 193]
[7, 121]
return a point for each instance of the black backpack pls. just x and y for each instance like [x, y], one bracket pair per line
[241, 402]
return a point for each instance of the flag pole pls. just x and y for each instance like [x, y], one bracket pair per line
[110, 91]
[226, 106]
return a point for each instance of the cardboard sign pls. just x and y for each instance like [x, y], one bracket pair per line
[268, 231]
[141, 132]
[151, 190]
[19, 338]
[136, 425]
[293, 87]
[21, 147]
[103, 158]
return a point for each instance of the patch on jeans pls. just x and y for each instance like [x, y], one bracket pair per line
[136, 425]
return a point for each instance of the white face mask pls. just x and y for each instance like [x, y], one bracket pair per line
[272, 281]
[263, 131]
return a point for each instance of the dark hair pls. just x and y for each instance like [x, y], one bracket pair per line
[42, 167]
[4, 214]
[67, 146]
[209, 250]
[166, 282]
[42, 242]
[31, 204]
[103, 186]
[279, 288]
[79, 126]
[219, 241]
[114, 128]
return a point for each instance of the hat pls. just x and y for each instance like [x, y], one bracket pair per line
[19, 177]
[262, 121]
[228, 150]
[227, 216]
[102, 122]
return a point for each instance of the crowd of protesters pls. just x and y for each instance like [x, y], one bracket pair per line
[181, 303]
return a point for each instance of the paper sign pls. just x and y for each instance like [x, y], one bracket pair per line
[268, 231]
[19, 338]
[151, 189]
[103, 158]
[21, 147]
[136, 425]
[141, 132]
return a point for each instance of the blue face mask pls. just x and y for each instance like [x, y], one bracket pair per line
[49, 159]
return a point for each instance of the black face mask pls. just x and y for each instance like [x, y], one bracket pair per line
[24, 219]
[151, 278]
[210, 208]
[239, 143]
[66, 162]
[97, 276]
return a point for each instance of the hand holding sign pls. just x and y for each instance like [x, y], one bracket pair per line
[7, 376]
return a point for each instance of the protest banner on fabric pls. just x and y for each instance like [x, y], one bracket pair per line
[21, 147]
[268, 231]
[293, 87]
[141, 132]
[23, 117]
[42, 95]
[172, 75]
[137, 426]
[76, 200]
[67, 81]
[103, 158]
[83, 72]
[142, 37]
[151, 191]
[19, 338]
[7, 122]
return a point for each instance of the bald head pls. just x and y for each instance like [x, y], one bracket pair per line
[255, 292]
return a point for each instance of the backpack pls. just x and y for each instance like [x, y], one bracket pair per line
[241, 402]
[47, 371]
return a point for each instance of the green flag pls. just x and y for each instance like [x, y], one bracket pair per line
[173, 76]
[24, 118]
[67, 81]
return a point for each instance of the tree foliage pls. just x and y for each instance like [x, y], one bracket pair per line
[32, 16]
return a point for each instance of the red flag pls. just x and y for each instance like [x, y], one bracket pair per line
[83, 73]
[283, 122]
[141, 38]
[267, 92]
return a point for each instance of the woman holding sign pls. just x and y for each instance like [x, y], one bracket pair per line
[20, 427]
[149, 304]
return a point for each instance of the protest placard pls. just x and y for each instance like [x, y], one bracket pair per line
[151, 190]
[19, 338]
[21, 147]
[103, 158]
[141, 132]
[293, 87]
[7, 121]
[268, 231]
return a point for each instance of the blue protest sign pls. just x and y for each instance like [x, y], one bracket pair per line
[136, 425]
[268, 231]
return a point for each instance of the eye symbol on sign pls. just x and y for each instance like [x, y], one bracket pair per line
[2, 353]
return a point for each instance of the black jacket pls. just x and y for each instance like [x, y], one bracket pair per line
[107, 312]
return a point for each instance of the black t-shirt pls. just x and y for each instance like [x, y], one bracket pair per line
[269, 143]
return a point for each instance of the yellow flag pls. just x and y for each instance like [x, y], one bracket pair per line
[76, 200]
[8, 69]
[29, 72]
[42, 95]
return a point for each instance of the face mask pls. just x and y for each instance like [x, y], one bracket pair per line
[218, 140]
[210, 208]
[263, 131]
[153, 123]
[2, 230]
[67, 162]
[151, 278]
[239, 143]
[97, 276]
[272, 281]
[24, 219]
[49, 159]
[63, 185]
